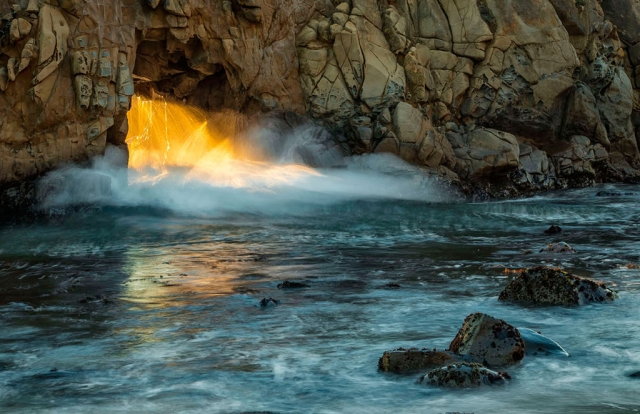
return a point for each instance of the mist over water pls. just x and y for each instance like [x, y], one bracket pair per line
[190, 162]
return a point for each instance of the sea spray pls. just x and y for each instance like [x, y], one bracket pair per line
[187, 161]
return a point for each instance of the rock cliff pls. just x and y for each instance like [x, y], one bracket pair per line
[526, 95]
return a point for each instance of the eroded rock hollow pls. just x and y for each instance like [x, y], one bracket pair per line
[538, 94]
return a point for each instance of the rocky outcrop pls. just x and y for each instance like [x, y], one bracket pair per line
[528, 96]
[464, 375]
[551, 286]
[482, 339]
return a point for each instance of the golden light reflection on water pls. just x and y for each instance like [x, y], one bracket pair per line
[165, 135]
[171, 276]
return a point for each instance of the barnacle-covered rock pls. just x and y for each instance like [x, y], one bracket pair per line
[464, 375]
[488, 340]
[553, 286]
[403, 361]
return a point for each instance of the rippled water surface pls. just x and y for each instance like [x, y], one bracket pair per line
[145, 310]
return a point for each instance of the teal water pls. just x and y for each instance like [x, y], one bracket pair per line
[147, 308]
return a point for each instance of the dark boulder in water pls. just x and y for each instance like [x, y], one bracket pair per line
[551, 286]
[464, 375]
[405, 361]
[291, 285]
[553, 230]
[538, 344]
[635, 375]
[488, 340]
[268, 302]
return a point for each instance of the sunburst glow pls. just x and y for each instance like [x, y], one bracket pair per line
[166, 136]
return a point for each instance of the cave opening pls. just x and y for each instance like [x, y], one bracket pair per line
[185, 121]
[170, 125]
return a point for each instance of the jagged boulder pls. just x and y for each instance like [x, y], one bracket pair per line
[551, 286]
[464, 375]
[489, 340]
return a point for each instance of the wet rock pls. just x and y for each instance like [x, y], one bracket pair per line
[490, 340]
[545, 285]
[291, 285]
[265, 303]
[537, 344]
[404, 361]
[553, 230]
[635, 374]
[560, 247]
[464, 375]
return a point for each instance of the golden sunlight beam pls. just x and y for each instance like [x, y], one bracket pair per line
[164, 135]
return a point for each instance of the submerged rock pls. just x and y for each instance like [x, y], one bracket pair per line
[560, 247]
[268, 302]
[488, 340]
[635, 375]
[291, 285]
[464, 375]
[537, 344]
[552, 286]
[553, 230]
[404, 361]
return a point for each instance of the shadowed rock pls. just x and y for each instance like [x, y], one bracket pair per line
[264, 303]
[488, 340]
[545, 285]
[464, 375]
[553, 230]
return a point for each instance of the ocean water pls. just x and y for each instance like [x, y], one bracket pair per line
[150, 303]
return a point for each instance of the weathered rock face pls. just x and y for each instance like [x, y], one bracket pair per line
[542, 93]
[489, 340]
[550, 286]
